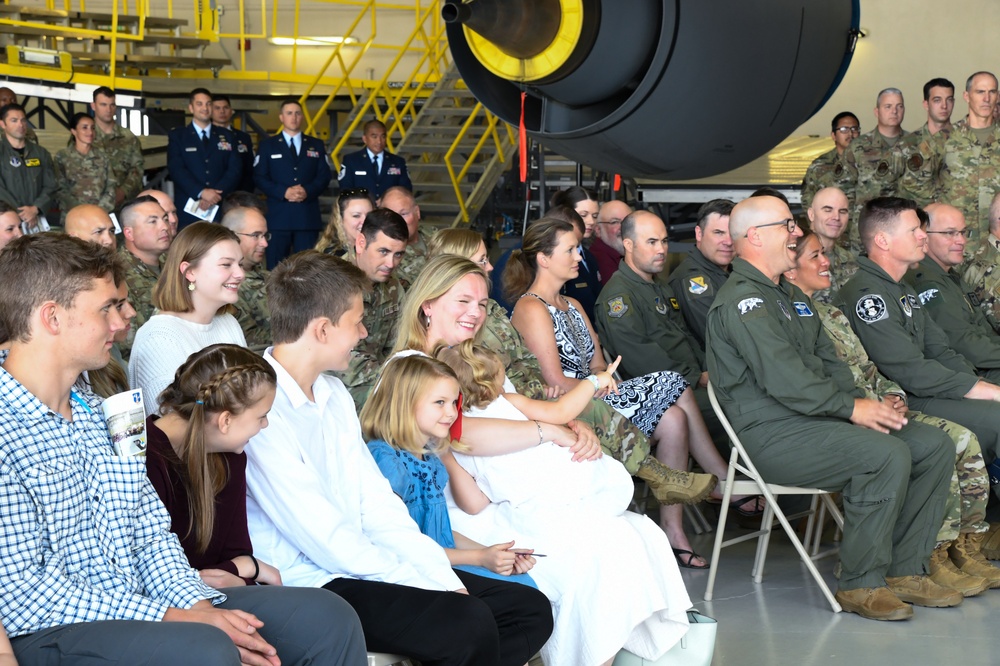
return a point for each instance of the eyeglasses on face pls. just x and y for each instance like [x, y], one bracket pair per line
[847, 129]
[952, 234]
[789, 224]
[257, 235]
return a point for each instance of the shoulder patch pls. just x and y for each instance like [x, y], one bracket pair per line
[928, 295]
[915, 162]
[748, 305]
[838, 170]
[802, 309]
[674, 304]
[784, 310]
[882, 169]
[871, 309]
[697, 285]
[617, 307]
[914, 301]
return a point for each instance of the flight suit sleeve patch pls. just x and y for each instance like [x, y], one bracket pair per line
[697, 285]
[871, 308]
[925, 296]
[751, 308]
[617, 307]
[674, 304]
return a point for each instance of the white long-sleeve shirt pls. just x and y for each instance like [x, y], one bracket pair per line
[318, 507]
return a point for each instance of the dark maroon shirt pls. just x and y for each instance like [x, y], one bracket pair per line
[607, 259]
[230, 537]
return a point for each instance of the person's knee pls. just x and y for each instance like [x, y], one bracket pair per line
[475, 623]
[205, 644]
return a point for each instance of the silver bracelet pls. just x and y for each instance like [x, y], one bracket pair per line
[539, 426]
[595, 381]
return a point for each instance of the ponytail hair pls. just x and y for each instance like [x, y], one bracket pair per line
[219, 378]
[522, 267]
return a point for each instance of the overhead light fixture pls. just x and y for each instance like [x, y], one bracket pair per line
[311, 41]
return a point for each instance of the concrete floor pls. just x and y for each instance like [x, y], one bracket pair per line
[786, 621]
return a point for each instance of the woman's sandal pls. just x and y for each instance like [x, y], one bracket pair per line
[679, 553]
[737, 505]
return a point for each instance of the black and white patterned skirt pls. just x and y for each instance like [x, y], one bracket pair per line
[643, 400]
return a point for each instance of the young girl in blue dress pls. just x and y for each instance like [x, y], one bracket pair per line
[407, 421]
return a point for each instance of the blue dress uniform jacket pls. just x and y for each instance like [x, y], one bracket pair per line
[244, 150]
[194, 166]
[277, 168]
[356, 172]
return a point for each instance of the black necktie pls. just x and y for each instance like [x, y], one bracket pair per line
[204, 137]
[375, 166]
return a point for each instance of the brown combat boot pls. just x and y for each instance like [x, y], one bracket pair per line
[966, 553]
[922, 591]
[672, 486]
[946, 574]
[991, 543]
[874, 603]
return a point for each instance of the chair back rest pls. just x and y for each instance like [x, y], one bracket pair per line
[737, 444]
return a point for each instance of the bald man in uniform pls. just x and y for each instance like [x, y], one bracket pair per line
[91, 223]
[803, 420]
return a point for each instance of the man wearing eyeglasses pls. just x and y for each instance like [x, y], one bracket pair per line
[291, 168]
[698, 278]
[249, 223]
[947, 298]
[607, 245]
[897, 330]
[828, 169]
[378, 251]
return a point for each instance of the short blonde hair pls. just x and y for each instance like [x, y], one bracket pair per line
[460, 242]
[476, 369]
[438, 276]
[171, 293]
[388, 413]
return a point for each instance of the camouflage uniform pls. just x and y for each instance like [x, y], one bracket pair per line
[918, 169]
[414, 258]
[619, 438]
[875, 166]
[252, 311]
[84, 179]
[962, 170]
[825, 171]
[969, 483]
[981, 273]
[381, 320]
[843, 266]
[125, 154]
[140, 279]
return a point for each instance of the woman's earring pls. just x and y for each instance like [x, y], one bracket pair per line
[190, 286]
[428, 321]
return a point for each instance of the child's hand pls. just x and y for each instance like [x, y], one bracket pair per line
[524, 561]
[607, 380]
[499, 558]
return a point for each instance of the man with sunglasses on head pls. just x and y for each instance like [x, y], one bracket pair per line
[244, 216]
[291, 168]
[947, 298]
[827, 169]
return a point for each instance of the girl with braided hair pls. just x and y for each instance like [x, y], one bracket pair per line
[218, 400]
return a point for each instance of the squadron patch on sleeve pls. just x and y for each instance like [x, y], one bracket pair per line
[871, 308]
[697, 285]
[928, 295]
[617, 307]
[752, 308]
[802, 309]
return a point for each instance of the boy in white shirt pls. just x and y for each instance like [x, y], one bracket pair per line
[320, 510]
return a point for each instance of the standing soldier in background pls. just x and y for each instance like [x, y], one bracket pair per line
[939, 101]
[876, 160]
[828, 169]
[7, 96]
[222, 116]
[27, 176]
[119, 145]
[964, 169]
[982, 271]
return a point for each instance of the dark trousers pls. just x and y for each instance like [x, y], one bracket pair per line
[284, 243]
[304, 625]
[496, 624]
[980, 416]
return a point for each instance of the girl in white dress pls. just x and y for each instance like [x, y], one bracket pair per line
[609, 573]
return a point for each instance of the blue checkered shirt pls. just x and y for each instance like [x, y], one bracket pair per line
[83, 535]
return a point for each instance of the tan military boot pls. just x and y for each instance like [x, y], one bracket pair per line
[922, 591]
[874, 603]
[945, 573]
[991, 543]
[672, 486]
[966, 553]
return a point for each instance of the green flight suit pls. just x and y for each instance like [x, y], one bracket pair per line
[947, 298]
[789, 397]
[911, 349]
[381, 319]
[252, 311]
[619, 438]
[969, 492]
[982, 273]
[695, 282]
[28, 179]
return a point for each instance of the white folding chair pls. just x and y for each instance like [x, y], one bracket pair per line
[384, 659]
[740, 463]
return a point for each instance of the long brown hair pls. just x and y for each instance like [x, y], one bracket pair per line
[333, 237]
[171, 293]
[219, 378]
[522, 267]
